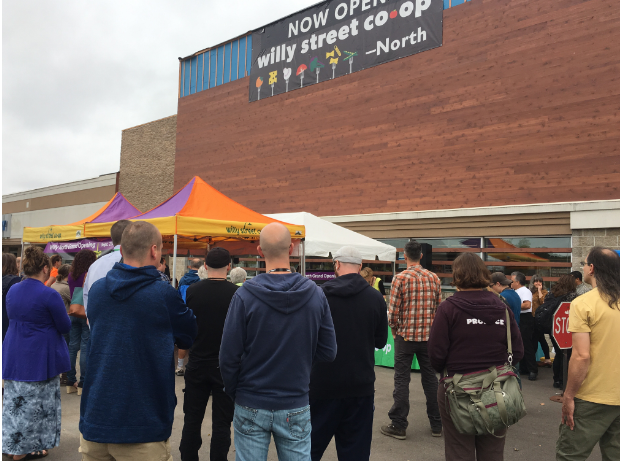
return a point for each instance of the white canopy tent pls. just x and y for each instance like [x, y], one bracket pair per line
[324, 237]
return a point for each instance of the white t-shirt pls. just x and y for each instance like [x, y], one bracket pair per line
[526, 295]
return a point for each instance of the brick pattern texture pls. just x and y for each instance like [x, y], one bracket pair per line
[147, 162]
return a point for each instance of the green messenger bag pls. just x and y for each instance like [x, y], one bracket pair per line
[485, 402]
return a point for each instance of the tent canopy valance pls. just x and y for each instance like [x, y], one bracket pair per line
[201, 216]
[324, 238]
[117, 208]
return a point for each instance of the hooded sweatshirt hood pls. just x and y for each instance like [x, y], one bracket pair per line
[346, 286]
[277, 326]
[481, 305]
[124, 281]
[285, 293]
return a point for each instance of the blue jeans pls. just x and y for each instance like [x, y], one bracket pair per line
[79, 340]
[291, 431]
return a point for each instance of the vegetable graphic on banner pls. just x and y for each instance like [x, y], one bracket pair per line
[259, 82]
[300, 73]
[273, 78]
[350, 58]
[315, 66]
[333, 61]
[287, 75]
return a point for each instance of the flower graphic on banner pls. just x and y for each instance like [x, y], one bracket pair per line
[315, 66]
[259, 83]
[287, 74]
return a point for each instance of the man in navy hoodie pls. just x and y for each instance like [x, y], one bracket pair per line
[278, 324]
[342, 393]
[127, 408]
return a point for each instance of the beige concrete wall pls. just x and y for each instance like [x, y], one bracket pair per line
[147, 162]
[584, 239]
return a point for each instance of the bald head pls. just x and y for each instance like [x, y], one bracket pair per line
[138, 241]
[275, 241]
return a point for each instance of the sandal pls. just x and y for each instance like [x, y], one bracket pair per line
[37, 455]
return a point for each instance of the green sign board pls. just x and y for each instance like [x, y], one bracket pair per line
[385, 357]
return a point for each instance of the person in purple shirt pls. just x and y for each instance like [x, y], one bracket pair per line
[34, 354]
[79, 339]
[469, 334]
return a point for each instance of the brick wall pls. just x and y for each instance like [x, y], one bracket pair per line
[147, 162]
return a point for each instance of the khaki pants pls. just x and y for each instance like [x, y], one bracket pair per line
[594, 422]
[155, 451]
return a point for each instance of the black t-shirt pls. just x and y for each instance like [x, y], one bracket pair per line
[209, 299]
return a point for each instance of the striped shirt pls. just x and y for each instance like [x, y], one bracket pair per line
[414, 297]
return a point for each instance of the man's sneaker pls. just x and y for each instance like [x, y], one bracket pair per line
[392, 431]
[532, 376]
[436, 432]
[180, 371]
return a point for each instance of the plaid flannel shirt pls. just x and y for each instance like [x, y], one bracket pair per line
[414, 297]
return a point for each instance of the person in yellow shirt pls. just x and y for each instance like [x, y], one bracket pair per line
[591, 404]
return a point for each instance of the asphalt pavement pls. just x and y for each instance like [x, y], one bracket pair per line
[533, 438]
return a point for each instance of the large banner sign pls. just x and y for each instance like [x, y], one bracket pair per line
[336, 38]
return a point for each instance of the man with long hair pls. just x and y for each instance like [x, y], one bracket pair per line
[591, 404]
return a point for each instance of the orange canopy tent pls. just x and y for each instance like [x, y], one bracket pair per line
[200, 216]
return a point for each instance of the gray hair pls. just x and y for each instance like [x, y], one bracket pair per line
[195, 263]
[238, 275]
[202, 272]
[535, 278]
[520, 277]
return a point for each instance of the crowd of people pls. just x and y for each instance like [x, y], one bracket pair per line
[284, 358]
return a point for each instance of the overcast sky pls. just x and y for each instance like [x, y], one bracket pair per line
[76, 73]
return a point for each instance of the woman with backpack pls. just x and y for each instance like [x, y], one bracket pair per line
[564, 290]
[470, 336]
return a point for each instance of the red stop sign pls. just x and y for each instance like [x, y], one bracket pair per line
[560, 327]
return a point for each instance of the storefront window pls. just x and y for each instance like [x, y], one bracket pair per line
[549, 257]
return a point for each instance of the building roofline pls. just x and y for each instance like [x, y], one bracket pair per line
[556, 207]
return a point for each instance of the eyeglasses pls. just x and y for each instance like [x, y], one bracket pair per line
[585, 263]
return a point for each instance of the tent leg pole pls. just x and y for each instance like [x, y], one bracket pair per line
[303, 258]
[21, 256]
[174, 262]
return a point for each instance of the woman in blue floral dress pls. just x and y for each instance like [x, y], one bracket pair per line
[34, 354]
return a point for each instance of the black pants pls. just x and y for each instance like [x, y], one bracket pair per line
[540, 339]
[558, 362]
[200, 382]
[349, 420]
[530, 343]
[403, 358]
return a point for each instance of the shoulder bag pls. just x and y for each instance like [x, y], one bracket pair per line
[485, 402]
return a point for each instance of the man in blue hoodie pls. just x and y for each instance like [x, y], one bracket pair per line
[127, 408]
[278, 324]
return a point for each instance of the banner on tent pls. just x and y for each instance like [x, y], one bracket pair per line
[77, 245]
[336, 38]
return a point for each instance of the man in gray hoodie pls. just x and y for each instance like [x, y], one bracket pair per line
[278, 324]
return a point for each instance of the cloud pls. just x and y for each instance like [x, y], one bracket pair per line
[75, 74]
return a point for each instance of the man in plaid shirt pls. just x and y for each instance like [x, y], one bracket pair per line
[414, 297]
